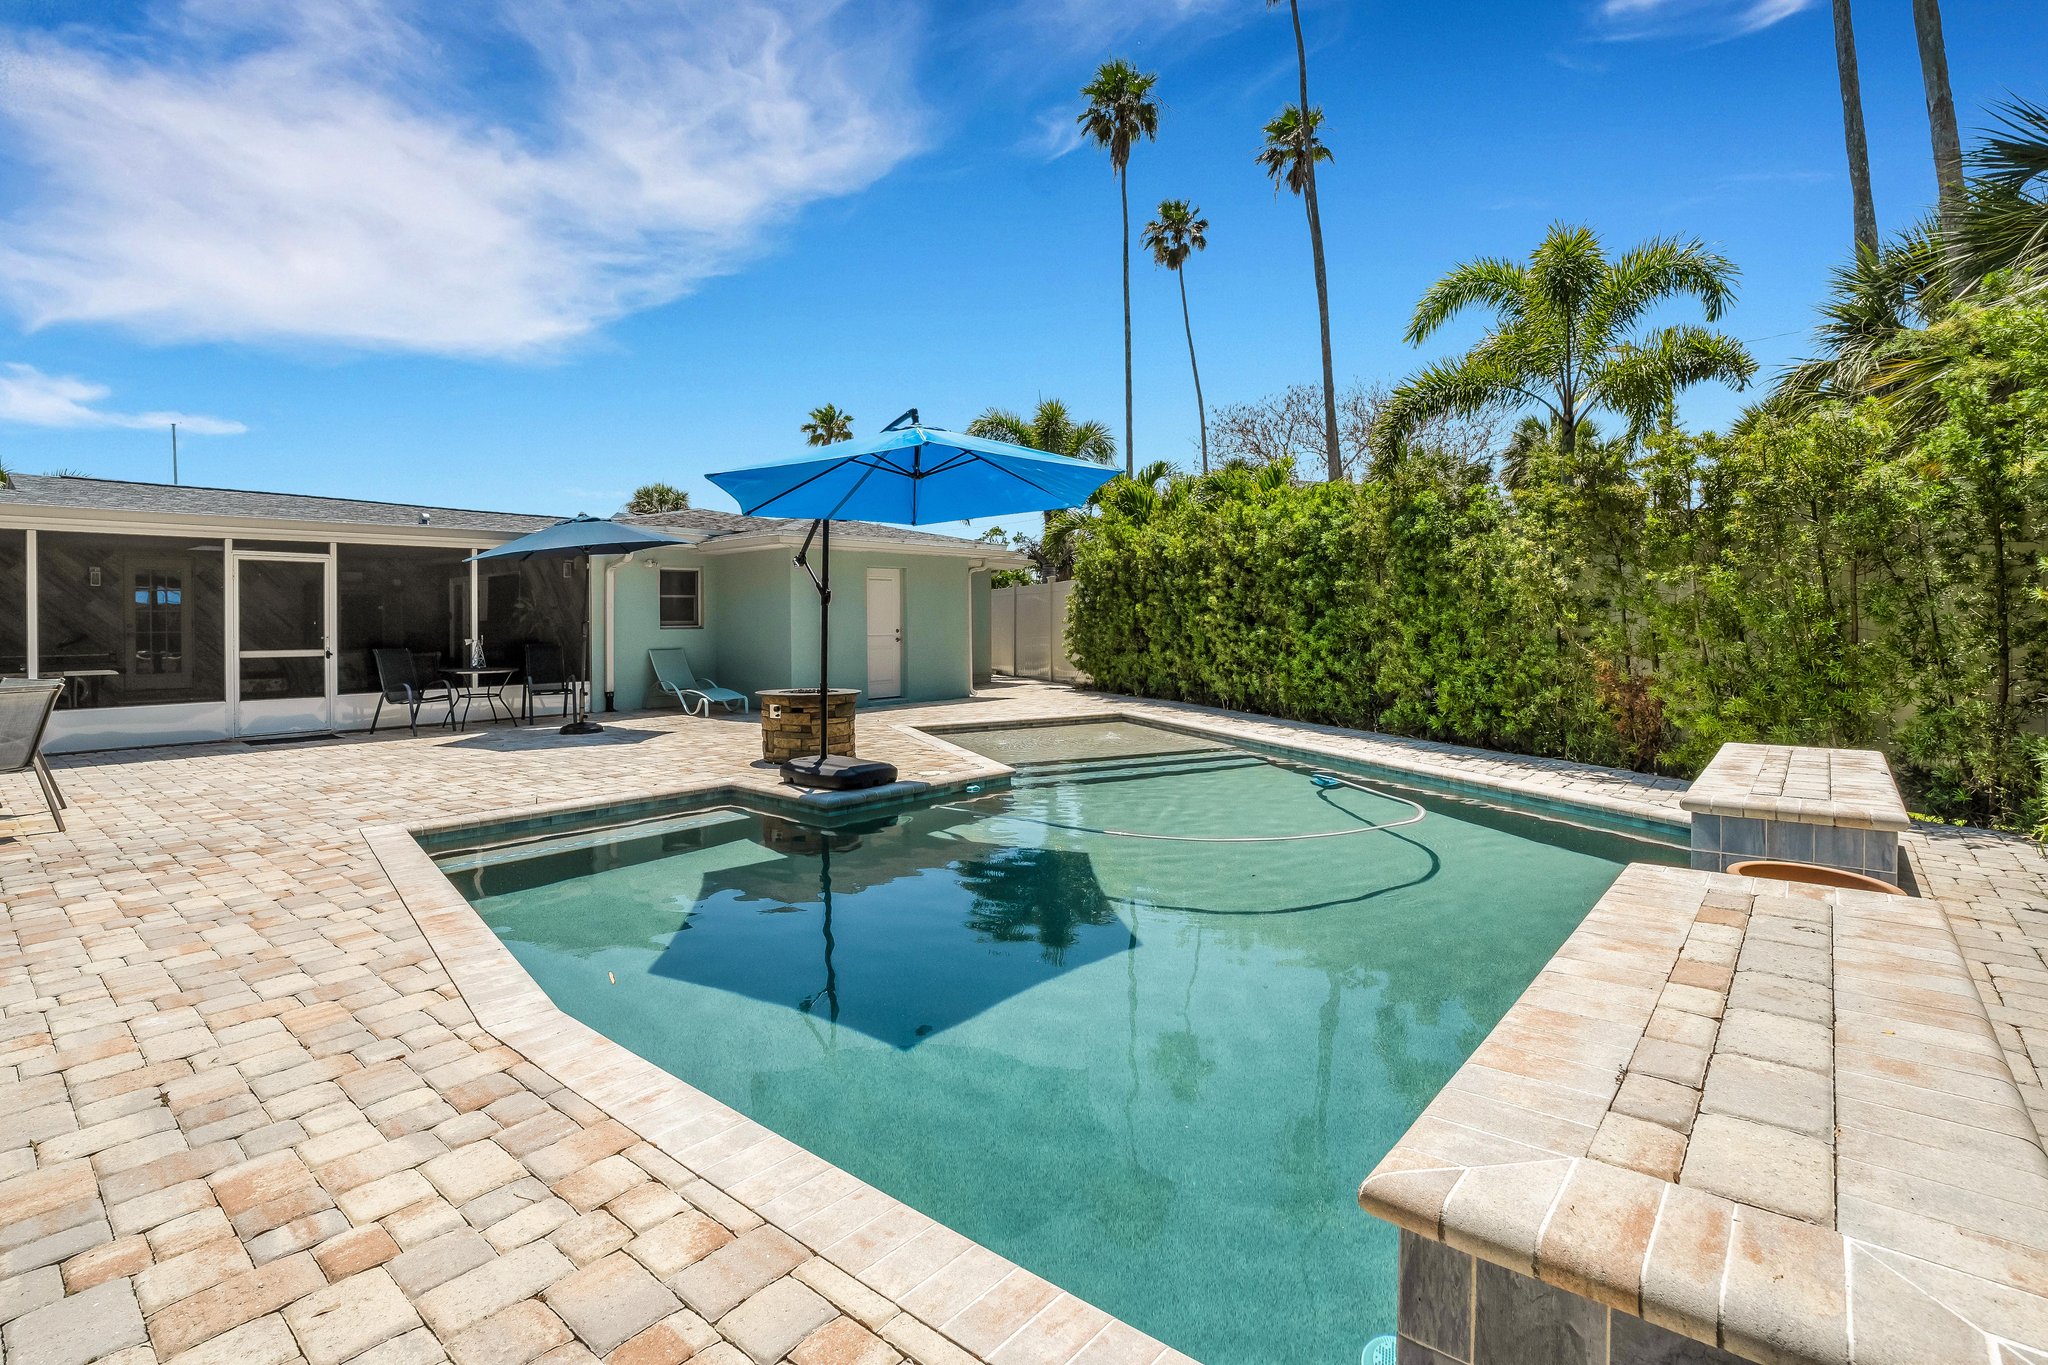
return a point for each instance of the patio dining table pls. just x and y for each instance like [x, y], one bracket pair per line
[470, 685]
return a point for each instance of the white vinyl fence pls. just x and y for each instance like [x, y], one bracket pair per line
[1028, 632]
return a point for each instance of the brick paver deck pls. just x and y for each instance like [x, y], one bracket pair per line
[246, 1116]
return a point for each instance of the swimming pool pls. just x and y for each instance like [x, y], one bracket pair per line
[1152, 1070]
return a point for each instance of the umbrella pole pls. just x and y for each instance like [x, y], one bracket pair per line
[582, 724]
[824, 638]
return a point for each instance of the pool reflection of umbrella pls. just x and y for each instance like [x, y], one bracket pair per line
[910, 475]
[881, 941]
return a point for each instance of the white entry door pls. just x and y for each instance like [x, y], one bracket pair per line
[885, 633]
[284, 643]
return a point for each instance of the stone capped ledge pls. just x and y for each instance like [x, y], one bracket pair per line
[1852, 788]
[1779, 1125]
[924, 1289]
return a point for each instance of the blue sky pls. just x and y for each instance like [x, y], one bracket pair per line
[535, 256]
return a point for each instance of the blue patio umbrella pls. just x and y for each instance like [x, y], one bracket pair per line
[909, 474]
[580, 537]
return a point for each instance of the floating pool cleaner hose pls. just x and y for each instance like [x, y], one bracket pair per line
[1322, 780]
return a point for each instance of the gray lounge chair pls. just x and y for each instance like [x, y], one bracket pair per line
[672, 670]
[25, 708]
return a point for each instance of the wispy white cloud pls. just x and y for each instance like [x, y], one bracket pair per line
[1715, 20]
[1091, 24]
[1053, 134]
[30, 398]
[354, 172]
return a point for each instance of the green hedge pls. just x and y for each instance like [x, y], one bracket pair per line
[1841, 576]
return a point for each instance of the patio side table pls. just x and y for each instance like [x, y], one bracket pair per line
[487, 685]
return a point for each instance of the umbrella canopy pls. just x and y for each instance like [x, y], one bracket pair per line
[581, 535]
[914, 475]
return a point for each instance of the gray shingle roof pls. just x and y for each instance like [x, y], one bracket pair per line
[229, 504]
[184, 500]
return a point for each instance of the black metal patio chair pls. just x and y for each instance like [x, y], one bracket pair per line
[548, 676]
[400, 683]
[25, 707]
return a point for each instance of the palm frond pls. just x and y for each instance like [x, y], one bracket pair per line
[1872, 302]
[996, 424]
[1566, 267]
[1638, 381]
[1091, 441]
[1466, 387]
[1660, 269]
[1120, 109]
[1292, 146]
[1178, 232]
[1489, 282]
[2015, 154]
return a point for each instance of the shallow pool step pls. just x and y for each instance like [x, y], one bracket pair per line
[1132, 769]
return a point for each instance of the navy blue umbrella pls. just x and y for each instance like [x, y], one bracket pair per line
[580, 537]
[909, 474]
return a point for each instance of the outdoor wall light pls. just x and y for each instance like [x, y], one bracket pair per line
[92, 576]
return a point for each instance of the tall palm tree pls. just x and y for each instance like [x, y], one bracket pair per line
[1290, 155]
[1565, 338]
[1941, 111]
[1865, 208]
[1049, 428]
[827, 426]
[1178, 232]
[1120, 111]
[658, 497]
[1315, 239]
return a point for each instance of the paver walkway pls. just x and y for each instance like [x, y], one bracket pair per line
[246, 1117]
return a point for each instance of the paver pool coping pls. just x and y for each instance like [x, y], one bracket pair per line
[849, 1223]
[214, 938]
[1776, 1123]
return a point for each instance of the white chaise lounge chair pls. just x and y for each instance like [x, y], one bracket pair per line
[672, 670]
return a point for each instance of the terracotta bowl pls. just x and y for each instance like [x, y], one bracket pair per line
[1808, 874]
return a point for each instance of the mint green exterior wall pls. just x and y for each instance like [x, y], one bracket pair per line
[761, 623]
[746, 600]
[935, 623]
[984, 660]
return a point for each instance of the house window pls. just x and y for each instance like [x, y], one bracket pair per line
[682, 599]
[130, 620]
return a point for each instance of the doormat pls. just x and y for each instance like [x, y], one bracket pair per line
[267, 740]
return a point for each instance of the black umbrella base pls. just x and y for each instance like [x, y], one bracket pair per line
[583, 727]
[837, 773]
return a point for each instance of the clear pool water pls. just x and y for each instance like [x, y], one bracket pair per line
[1154, 1072]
